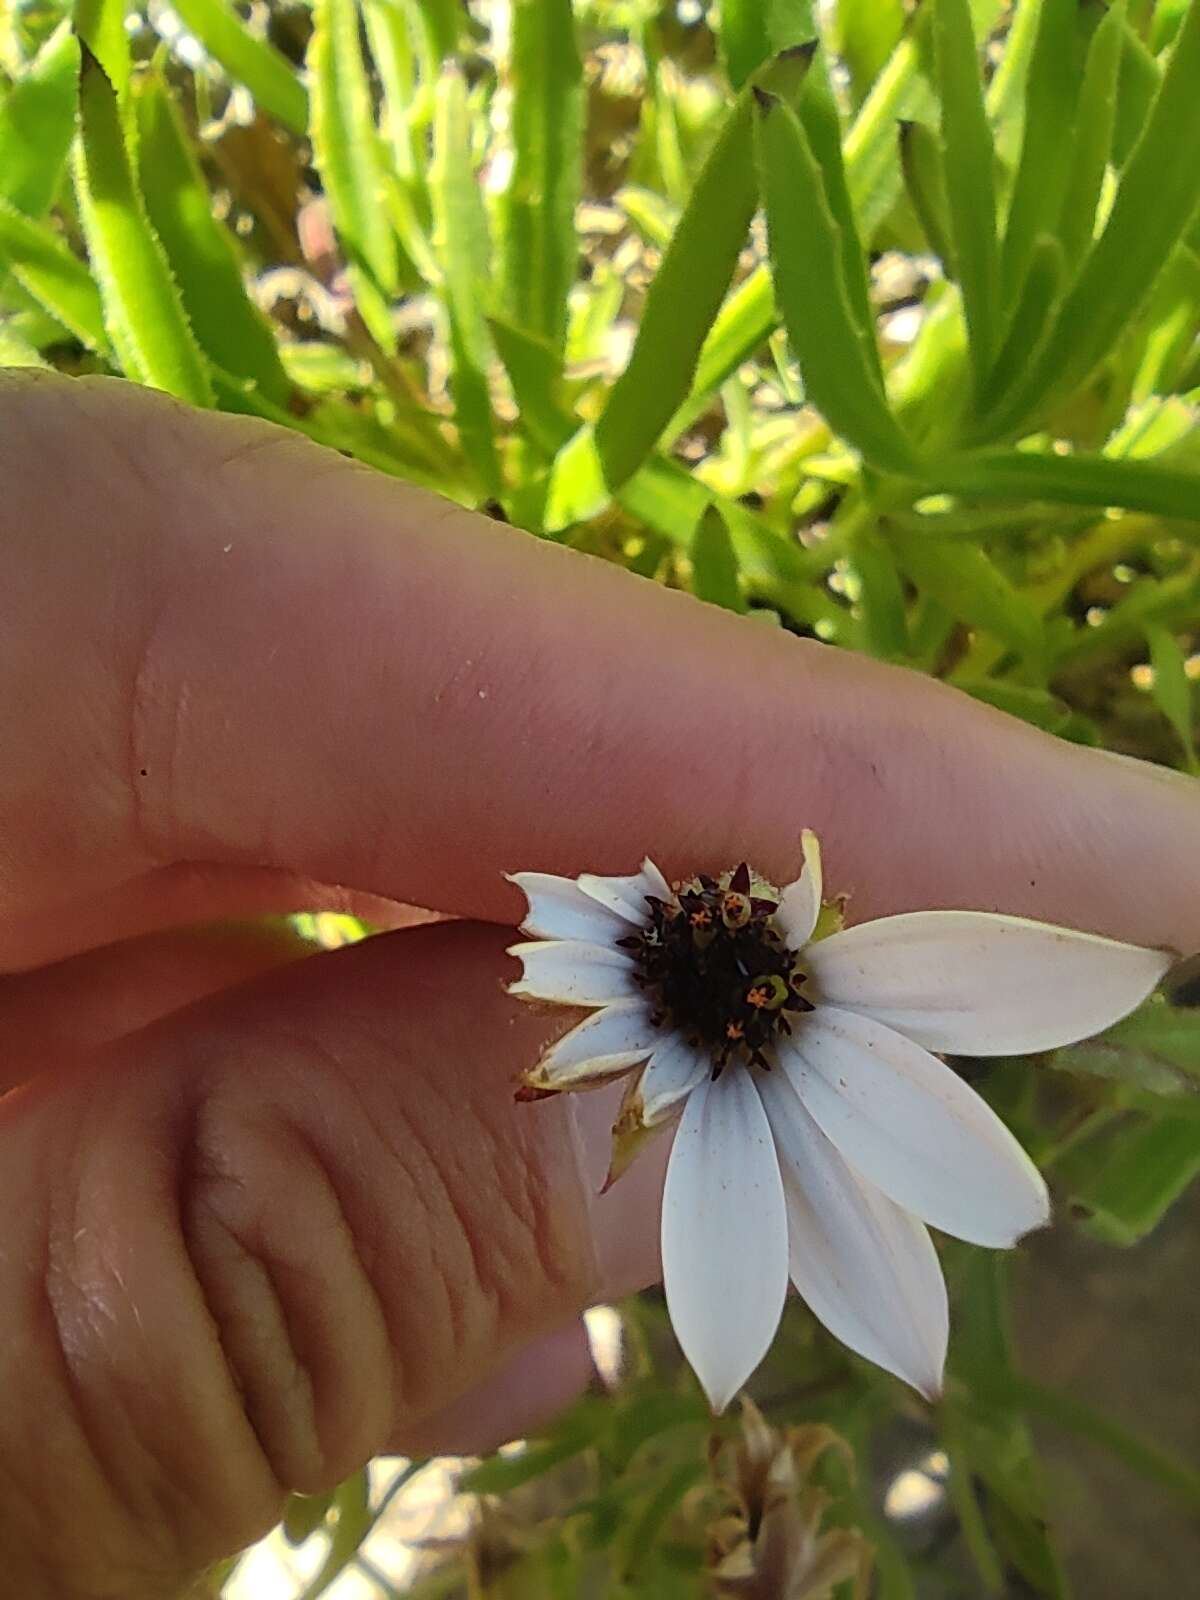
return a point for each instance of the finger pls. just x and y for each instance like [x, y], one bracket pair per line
[271, 1236]
[285, 660]
[527, 1393]
[60, 1013]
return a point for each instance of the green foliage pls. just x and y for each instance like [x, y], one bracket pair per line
[905, 357]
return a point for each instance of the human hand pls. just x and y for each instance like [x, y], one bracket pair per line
[266, 1217]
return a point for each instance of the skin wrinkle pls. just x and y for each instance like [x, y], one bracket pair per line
[141, 1498]
[229, 1286]
[256, 1150]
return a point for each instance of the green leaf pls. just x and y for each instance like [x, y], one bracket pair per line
[925, 181]
[346, 149]
[1146, 1459]
[37, 124]
[971, 587]
[100, 25]
[142, 308]
[539, 244]
[1172, 689]
[714, 565]
[1031, 321]
[392, 52]
[991, 1439]
[1038, 707]
[1156, 1048]
[230, 329]
[267, 74]
[683, 298]
[839, 369]
[1154, 205]
[18, 352]
[968, 159]
[881, 598]
[1123, 1180]
[818, 114]
[461, 243]
[1080, 480]
[743, 324]
[535, 371]
[56, 278]
[1051, 95]
[1091, 147]
[754, 30]
[865, 34]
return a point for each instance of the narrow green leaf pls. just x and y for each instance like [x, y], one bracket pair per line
[346, 148]
[1157, 1048]
[1124, 1181]
[714, 565]
[865, 34]
[230, 329]
[1172, 689]
[534, 369]
[18, 352]
[37, 124]
[1051, 95]
[1137, 84]
[142, 308]
[818, 114]
[683, 298]
[925, 181]
[968, 158]
[1171, 319]
[249, 60]
[100, 25]
[901, 91]
[743, 324]
[1091, 147]
[442, 24]
[745, 42]
[391, 44]
[1031, 321]
[971, 587]
[56, 278]
[461, 244]
[1146, 1459]
[1079, 480]
[1155, 202]
[881, 598]
[537, 211]
[840, 374]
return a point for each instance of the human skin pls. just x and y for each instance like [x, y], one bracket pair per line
[268, 1213]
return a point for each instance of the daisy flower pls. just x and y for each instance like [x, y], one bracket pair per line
[817, 1134]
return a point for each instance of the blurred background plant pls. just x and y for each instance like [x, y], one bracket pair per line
[878, 321]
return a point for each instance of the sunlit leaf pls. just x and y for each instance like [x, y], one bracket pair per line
[143, 311]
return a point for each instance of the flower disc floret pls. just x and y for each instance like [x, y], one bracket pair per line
[715, 968]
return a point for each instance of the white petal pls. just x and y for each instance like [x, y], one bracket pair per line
[559, 909]
[865, 1268]
[627, 896]
[980, 984]
[611, 1040]
[800, 903]
[675, 1069]
[908, 1124]
[573, 973]
[724, 1234]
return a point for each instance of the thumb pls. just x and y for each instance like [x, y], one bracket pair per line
[270, 1237]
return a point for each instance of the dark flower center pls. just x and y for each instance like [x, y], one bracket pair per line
[716, 969]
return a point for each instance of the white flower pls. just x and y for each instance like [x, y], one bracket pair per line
[818, 1135]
